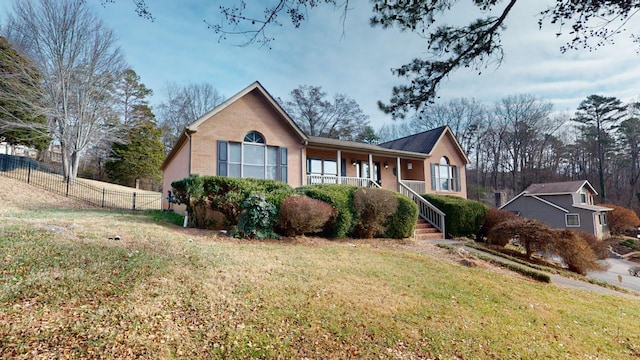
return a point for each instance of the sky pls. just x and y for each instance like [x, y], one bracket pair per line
[350, 57]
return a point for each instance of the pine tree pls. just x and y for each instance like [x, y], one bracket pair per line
[140, 155]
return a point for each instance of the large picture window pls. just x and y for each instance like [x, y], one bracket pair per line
[252, 158]
[444, 176]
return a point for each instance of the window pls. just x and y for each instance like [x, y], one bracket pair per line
[252, 158]
[572, 220]
[583, 198]
[325, 169]
[444, 176]
[602, 219]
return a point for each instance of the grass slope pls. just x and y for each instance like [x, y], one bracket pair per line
[166, 292]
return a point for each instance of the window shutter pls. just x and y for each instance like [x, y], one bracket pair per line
[343, 167]
[283, 164]
[458, 181]
[433, 177]
[222, 158]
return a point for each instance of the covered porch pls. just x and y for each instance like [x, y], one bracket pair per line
[331, 161]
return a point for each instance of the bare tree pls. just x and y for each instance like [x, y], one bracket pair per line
[79, 62]
[184, 105]
[341, 119]
[21, 114]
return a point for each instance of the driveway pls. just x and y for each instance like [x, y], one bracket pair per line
[618, 267]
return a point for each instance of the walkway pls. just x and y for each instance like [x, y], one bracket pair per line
[556, 279]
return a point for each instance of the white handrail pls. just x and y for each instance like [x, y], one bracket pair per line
[426, 210]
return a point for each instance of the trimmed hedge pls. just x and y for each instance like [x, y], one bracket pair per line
[402, 223]
[300, 214]
[464, 217]
[340, 198]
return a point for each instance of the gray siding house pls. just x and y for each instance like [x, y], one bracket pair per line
[562, 205]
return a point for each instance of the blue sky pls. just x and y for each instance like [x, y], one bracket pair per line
[356, 61]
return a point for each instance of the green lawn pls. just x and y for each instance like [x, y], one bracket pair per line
[165, 292]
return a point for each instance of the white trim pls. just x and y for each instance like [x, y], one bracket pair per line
[512, 200]
[566, 217]
[549, 203]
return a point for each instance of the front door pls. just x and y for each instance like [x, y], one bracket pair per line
[362, 170]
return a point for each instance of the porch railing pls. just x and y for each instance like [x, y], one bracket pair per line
[345, 180]
[415, 185]
[426, 210]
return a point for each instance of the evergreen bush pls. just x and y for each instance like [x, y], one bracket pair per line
[402, 223]
[464, 217]
[340, 198]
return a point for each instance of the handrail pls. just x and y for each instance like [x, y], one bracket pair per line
[426, 210]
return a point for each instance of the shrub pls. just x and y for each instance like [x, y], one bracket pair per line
[532, 234]
[621, 220]
[339, 197]
[257, 219]
[402, 223]
[372, 207]
[575, 251]
[599, 247]
[464, 217]
[224, 196]
[492, 218]
[300, 214]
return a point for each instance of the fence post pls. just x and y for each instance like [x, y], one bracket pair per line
[68, 179]
[29, 173]
[134, 201]
[103, 197]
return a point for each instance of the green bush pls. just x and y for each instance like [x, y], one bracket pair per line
[340, 198]
[257, 219]
[402, 223]
[300, 214]
[224, 195]
[372, 207]
[464, 217]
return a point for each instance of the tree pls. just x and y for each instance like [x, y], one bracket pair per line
[79, 62]
[341, 119]
[597, 116]
[476, 45]
[184, 105]
[21, 116]
[629, 135]
[130, 94]
[140, 155]
[368, 135]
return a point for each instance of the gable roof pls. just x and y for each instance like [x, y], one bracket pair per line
[255, 86]
[558, 188]
[425, 142]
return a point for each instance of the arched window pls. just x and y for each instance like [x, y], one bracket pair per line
[254, 137]
[252, 158]
[444, 176]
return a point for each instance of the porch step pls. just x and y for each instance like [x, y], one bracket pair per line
[425, 231]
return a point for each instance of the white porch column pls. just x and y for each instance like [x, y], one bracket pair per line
[398, 169]
[371, 167]
[339, 166]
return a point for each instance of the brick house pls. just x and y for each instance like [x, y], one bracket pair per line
[250, 135]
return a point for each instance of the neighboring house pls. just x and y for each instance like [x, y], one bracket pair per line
[251, 136]
[562, 205]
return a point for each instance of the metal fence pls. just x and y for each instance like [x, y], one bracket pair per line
[48, 177]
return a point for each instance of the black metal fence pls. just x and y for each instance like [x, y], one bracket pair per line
[49, 177]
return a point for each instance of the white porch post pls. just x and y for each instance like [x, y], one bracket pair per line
[339, 167]
[371, 167]
[398, 171]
